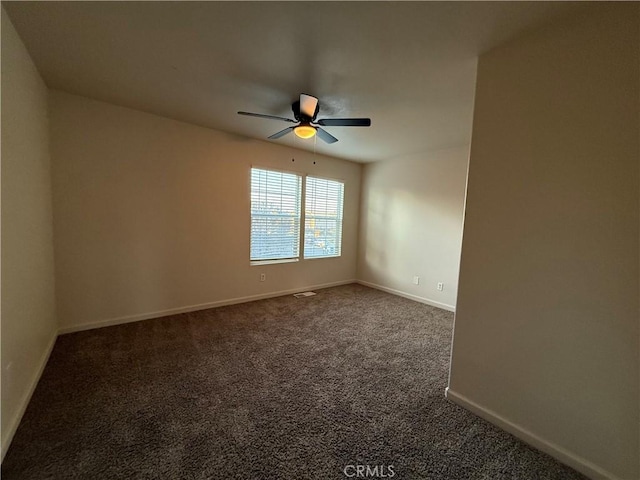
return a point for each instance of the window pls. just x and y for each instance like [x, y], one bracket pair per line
[275, 215]
[276, 199]
[323, 218]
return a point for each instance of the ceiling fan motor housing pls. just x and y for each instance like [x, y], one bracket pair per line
[301, 117]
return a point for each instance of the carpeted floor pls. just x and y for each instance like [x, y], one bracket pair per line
[283, 388]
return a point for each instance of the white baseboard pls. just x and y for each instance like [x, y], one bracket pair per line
[192, 308]
[416, 298]
[7, 435]
[568, 458]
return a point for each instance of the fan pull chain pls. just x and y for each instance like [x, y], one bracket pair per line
[315, 141]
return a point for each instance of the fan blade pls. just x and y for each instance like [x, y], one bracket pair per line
[308, 105]
[326, 136]
[345, 122]
[272, 117]
[281, 133]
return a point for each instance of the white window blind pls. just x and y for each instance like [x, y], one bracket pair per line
[275, 215]
[323, 218]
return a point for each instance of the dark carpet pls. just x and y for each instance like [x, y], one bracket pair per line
[284, 388]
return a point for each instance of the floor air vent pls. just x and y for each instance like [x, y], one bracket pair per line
[304, 294]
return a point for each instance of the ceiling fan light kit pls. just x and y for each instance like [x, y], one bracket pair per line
[305, 131]
[305, 111]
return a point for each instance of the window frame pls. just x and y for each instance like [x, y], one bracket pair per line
[302, 217]
[339, 218]
[300, 179]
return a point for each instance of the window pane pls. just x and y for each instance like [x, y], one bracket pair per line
[275, 215]
[323, 218]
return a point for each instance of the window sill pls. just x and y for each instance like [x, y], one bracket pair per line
[324, 256]
[270, 262]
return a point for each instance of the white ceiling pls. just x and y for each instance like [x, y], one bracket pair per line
[410, 67]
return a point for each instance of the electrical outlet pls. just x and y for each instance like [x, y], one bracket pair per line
[416, 280]
[440, 286]
[263, 277]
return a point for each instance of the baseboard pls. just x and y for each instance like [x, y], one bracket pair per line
[416, 298]
[7, 436]
[193, 308]
[568, 458]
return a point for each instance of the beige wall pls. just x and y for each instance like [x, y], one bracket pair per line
[546, 330]
[28, 297]
[152, 215]
[411, 225]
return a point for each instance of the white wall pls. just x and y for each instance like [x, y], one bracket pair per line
[546, 329]
[411, 225]
[28, 298]
[152, 215]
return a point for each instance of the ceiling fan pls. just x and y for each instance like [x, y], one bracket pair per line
[305, 111]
